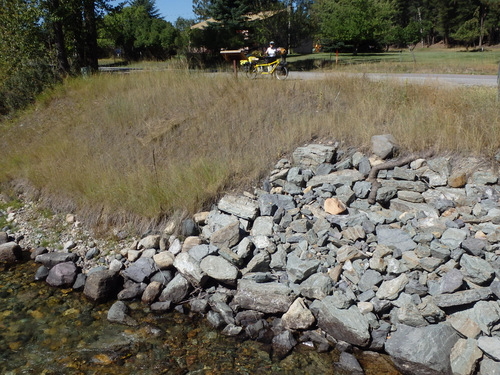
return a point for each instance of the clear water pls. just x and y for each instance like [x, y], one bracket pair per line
[45, 330]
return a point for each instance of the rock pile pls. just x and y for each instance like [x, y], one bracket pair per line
[412, 272]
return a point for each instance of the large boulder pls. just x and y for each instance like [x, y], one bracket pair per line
[422, 350]
[10, 252]
[102, 285]
[62, 274]
[269, 298]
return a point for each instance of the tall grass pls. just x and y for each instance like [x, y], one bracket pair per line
[149, 144]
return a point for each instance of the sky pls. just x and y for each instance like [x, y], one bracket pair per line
[170, 10]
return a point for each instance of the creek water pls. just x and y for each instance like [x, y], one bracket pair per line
[45, 330]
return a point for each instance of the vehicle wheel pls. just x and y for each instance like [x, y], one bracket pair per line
[251, 72]
[282, 72]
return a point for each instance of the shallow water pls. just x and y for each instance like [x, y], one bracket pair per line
[45, 330]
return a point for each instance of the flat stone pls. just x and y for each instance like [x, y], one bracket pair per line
[396, 238]
[422, 350]
[190, 269]
[219, 269]
[269, 298]
[300, 269]
[270, 203]
[347, 252]
[489, 366]
[348, 325]
[464, 357]
[311, 156]
[262, 226]
[463, 297]
[49, 260]
[316, 286]
[451, 281]
[227, 236]
[369, 280]
[140, 270]
[344, 177]
[490, 345]
[464, 325]
[474, 246]
[239, 206]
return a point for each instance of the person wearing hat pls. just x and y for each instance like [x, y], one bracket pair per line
[271, 52]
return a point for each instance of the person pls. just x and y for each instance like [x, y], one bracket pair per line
[271, 52]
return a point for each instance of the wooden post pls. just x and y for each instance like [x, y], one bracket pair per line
[234, 56]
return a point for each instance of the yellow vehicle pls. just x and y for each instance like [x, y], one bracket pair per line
[252, 67]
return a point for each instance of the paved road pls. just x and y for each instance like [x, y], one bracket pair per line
[439, 79]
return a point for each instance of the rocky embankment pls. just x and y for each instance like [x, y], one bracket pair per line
[336, 249]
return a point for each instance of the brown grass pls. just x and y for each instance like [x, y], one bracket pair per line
[150, 144]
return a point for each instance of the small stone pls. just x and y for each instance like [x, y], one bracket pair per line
[334, 206]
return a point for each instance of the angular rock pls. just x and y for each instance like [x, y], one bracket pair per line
[219, 269]
[239, 206]
[227, 236]
[151, 292]
[299, 269]
[269, 298]
[149, 242]
[348, 325]
[176, 290]
[390, 289]
[270, 203]
[490, 345]
[141, 270]
[164, 260]
[190, 269]
[298, 316]
[349, 363]
[424, 350]
[283, 343]
[344, 177]
[463, 297]
[477, 270]
[311, 156]
[334, 206]
[102, 285]
[117, 313]
[384, 145]
[316, 286]
[396, 238]
[464, 356]
[490, 367]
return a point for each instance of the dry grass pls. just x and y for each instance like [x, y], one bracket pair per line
[154, 143]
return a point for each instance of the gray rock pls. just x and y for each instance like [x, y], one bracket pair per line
[390, 289]
[140, 270]
[161, 306]
[348, 325]
[176, 290]
[369, 280]
[190, 269]
[349, 363]
[198, 252]
[477, 270]
[410, 315]
[361, 189]
[316, 286]
[283, 343]
[62, 274]
[218, 304]
[231, 330]
[117, 313]
[464, 357]
[474, 246]
[262, 226]
[299, 269]
[131, 290]
[270, 203]
[385, 194]
[269, 298]
[189, 228]
[451, 281]
[10, 253]
[463, 297]
[41, 273]
[410, 196]
[489, 367]
[311, 156]
[486, 314]
[102, 285]
[422, 351]
[239, 206]
[49, 260]
[490, 345]
[227, 236]
[396, 238]
[384, 146]
[219, 269]
[149, 242]
[453, 237]
[344, 177]
[484, 178]
[259, 263]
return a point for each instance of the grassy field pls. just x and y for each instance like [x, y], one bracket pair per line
[134, 149]
[422, 60]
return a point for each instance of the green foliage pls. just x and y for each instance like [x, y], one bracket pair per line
[138, 34]
[354, 22]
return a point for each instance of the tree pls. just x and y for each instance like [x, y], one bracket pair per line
[148, 5]
[353, 22]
